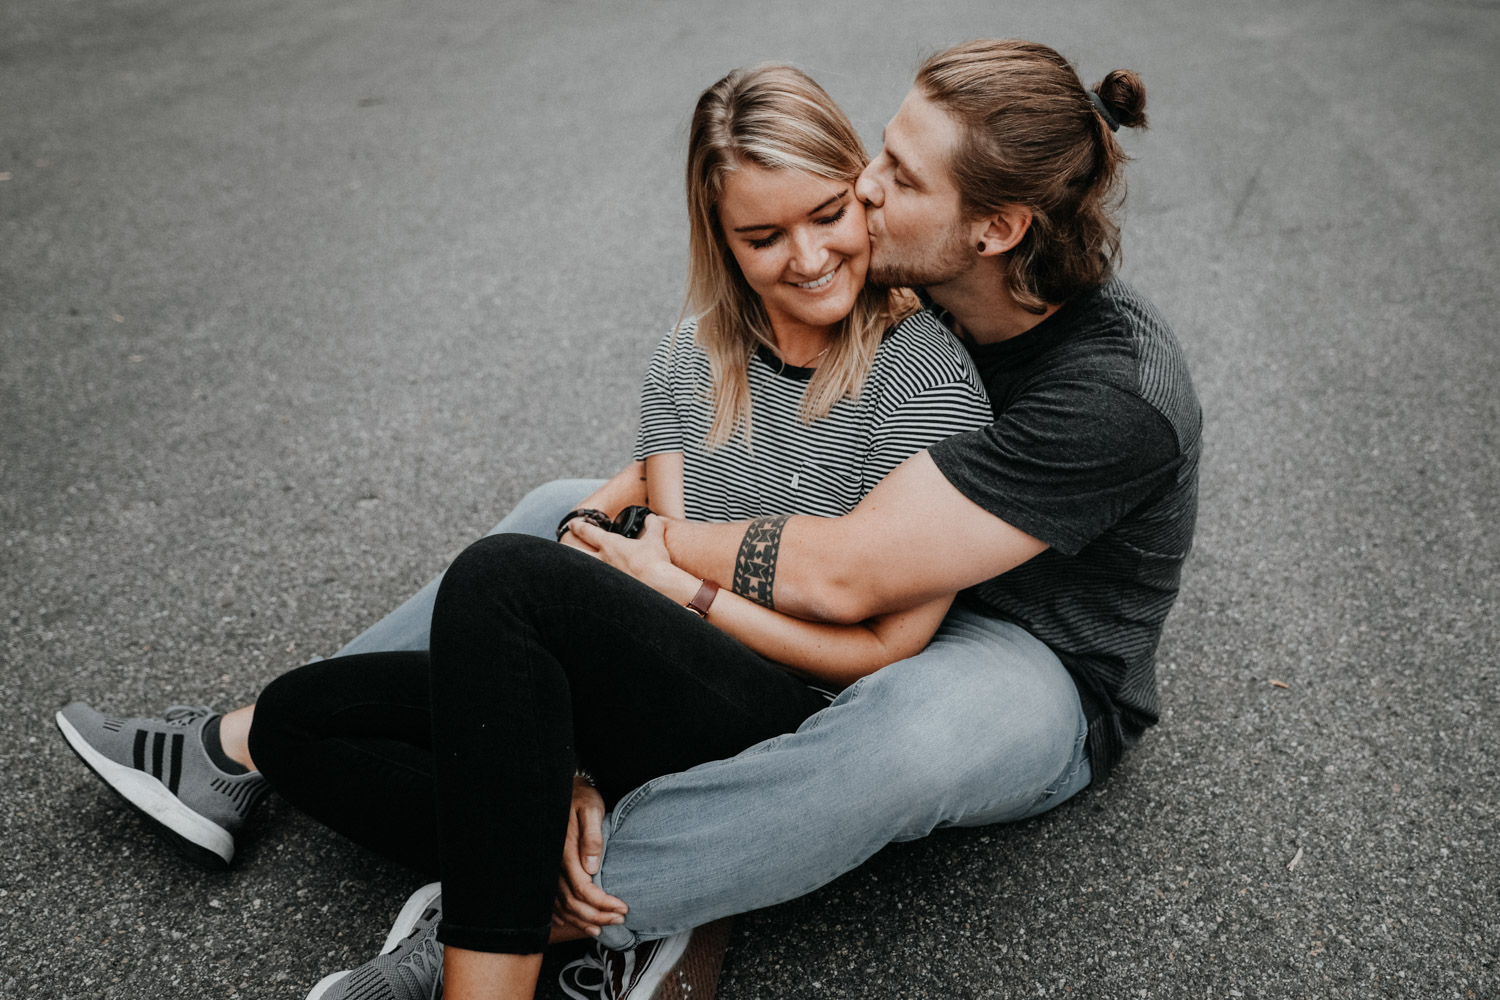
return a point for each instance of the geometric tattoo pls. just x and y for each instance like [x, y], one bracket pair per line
[755, 563]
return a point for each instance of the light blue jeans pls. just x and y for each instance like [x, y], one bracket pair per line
[983, 726]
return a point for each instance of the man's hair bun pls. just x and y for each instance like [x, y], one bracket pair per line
[1124, 95]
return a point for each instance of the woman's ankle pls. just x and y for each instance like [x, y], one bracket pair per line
[483, 975]
[234, 736]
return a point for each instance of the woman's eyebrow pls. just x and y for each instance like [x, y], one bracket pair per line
[812, 211]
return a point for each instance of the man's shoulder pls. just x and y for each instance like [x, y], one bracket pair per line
[1120, 338]
[1162, 376]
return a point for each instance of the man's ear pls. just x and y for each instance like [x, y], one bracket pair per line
[1002, 231]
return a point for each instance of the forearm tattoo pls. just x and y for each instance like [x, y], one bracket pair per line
[755, 563]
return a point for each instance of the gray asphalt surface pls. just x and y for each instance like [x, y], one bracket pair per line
[297, 299]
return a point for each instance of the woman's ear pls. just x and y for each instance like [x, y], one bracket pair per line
[1001, 231]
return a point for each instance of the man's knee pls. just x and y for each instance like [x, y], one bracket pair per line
[539, 511]
[943, 752]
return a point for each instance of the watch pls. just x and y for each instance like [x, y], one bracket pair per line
[707, 591]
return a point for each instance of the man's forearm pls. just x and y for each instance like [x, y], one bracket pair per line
[751, 558]
[913, 539]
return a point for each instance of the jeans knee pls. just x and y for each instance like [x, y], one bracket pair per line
[538, 512]
[945, 752]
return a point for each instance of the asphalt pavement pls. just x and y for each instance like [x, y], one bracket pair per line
[297, 299]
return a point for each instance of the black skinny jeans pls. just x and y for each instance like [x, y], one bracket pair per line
[459, 762]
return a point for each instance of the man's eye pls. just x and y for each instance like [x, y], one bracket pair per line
[829, 220]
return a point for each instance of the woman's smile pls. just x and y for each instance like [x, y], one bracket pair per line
[800, 242]
[818, 284]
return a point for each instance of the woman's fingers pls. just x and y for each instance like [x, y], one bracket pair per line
[580, 913]
[590, 817]
[591, 535]
[581, 888]
[571, 540]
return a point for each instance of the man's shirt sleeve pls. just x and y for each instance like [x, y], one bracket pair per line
[1064, 462]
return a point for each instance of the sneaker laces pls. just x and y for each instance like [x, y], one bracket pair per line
[186, 715]
[425, 961]
[590, 975]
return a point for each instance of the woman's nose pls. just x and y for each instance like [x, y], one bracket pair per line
[809, 254]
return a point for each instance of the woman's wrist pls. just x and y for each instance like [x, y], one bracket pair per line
[677, 584]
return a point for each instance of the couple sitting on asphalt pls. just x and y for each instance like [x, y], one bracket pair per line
[870, 601]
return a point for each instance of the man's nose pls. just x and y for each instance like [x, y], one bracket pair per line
[868, 188]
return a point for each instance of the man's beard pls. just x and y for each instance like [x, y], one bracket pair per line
[946, 258]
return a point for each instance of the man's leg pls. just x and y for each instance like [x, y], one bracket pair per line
[536, 514]
[984, 726]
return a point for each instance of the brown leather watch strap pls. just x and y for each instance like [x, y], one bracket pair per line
[707, 591]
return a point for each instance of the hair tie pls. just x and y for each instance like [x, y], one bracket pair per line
[1098, 103]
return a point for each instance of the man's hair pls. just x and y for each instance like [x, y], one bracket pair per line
[774, 117]
[1032, 136]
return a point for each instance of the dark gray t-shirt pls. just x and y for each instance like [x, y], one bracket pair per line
[1094, 450]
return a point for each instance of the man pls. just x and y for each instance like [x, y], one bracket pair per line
[1065, 522]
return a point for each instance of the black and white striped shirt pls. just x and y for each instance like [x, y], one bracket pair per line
[921, 389]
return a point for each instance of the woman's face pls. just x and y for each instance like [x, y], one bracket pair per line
[800, 241]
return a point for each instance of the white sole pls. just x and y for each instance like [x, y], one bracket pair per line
[151, 797]
[405, 921]
[410, 914]
[662, 964]
[326, 983]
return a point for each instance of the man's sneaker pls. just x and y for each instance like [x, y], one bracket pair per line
[681, 967]
[409, 967]
[161, 768]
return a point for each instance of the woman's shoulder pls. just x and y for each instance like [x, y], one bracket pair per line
[679, 346]
[920, 348]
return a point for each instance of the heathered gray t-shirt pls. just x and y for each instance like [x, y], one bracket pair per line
[1093, 450]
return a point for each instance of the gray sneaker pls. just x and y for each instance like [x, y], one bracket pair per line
[160, 767]
[409, 966]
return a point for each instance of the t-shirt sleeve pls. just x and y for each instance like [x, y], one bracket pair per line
[1064, 462]
[661, 424]
[921, 420]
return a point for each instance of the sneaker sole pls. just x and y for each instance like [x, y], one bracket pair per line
[410, 914]
[196, 837]
[405, 921]
[662, 964]
[696, 975]
[327, 983]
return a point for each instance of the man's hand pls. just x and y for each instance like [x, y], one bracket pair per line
[580, 903]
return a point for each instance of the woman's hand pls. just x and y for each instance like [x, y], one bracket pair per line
[580, 903]
[645, 558]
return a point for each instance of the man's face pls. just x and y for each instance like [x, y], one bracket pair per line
[918, 233]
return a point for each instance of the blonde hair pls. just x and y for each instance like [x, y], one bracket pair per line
[777, 118]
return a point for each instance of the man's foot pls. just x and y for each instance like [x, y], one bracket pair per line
[681, 967]
[409, 966]
[161, 767]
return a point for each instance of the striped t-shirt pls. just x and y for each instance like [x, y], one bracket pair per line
[922, 387]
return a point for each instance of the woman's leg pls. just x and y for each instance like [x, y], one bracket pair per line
[536, 514]
[348, 741]
[542, 656]
[406, 627]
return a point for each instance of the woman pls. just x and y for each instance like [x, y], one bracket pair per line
[791, 392]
